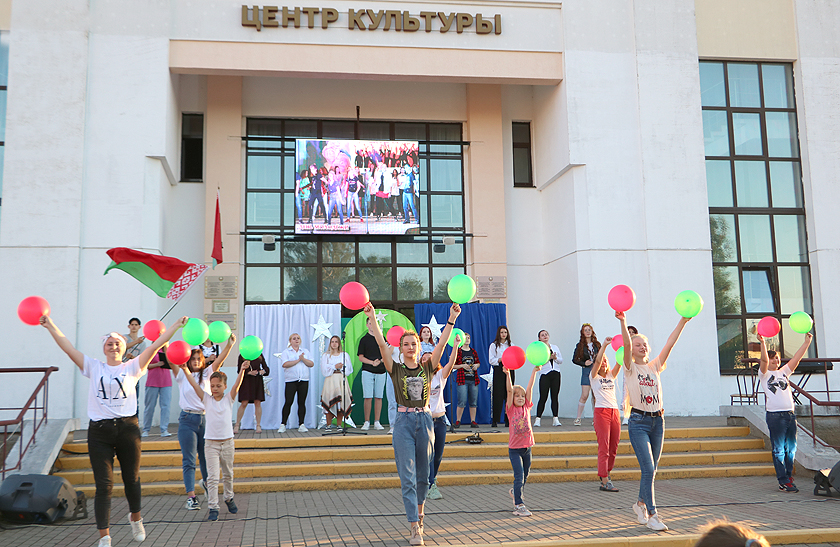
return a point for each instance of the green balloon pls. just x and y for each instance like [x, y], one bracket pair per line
[537, 353]
[619, 356]
[457, 332]
[195, 332]
[688, 303]
[250, 347]
[219, 332]
[461, 289]
[801, 322]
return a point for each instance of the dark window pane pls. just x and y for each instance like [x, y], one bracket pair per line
[522, 166]
[727, 290]
[299, 252]
[791, 245]
[377, 281]
[746, 130]
[374, 253]
[333, 278]
[751, 184]
[410, 131]
[723, 238]
[712, 89]
[778, 86]
[715, 133]
[266, 128]
[730, 343]
[263, 209]
[412, 283]
[337, 129]
[743, 84]
[412, 253]
[719, 183]
[794, 289]
[453, 254]
[299, 129]
[754, 231]
[192, 158]
[263, 284]
[255, 253]
[300, 284]
[445, 132]
[445, 175]
[785, 184]
[447, 211]
[440, 282]
[192, 125]
[264, 172]
[758, 297]
[521, 133]
[781, 135]
[375, 131]
[341, 252]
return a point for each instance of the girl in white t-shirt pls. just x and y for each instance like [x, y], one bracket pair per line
[780, 417]
[113, 428]
[218, 436]
[646, 426]
[606, 420]
[438, 409]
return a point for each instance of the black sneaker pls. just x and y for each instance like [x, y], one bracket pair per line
[474, 425]
[457, 424]
[789, 487]
[231, 505]
[214, 514]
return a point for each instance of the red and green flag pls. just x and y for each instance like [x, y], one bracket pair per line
[168, 277]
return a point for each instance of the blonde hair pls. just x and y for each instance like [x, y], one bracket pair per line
[524, 393]
[722, 533]
[292, 336]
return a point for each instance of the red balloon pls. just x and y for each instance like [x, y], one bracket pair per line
[178, 352]
[394, 335]
[617, 342]
[513, 358]
[153, 329]
[354, 295]
[621, 298]
[32, 308]
[768, 327]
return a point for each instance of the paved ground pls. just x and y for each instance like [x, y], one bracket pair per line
[466, 515]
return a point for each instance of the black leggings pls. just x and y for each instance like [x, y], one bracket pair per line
[500, 392]
[107, 438]
[549, 381]
[301, 388]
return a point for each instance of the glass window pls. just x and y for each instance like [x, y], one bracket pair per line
[335, 129]
[378, 282]
[333, 278]
[300, 284]
[4, 58]
[715, 133]
[727, 290]
[743, 85]
[374, 253]
[265, 128]
[522, 167]
[375, 131]
[452, 254]
[255, 253]
[440, 282]
[791, 245]
[445, 175]
[751, 183]
[412, 283]
[290, 177]
[299, 129]
[410, 131]
[300, 252]
[712, 88]
[778, 86]
[730, 343]
[754, 233]
[413, 253]
[264, 172]
[785, 184]
[3, 93]
[341, 252]
[723, 238]
[746, 130]
[794, 289]
[447, 211]
[262, 284]
[263, 209]
[793, 340]
[719, 183]
[781, 135]
[445, 132]
[289, 209]
[757, 295]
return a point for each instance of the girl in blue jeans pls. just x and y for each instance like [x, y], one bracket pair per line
[438, 408]
[413, 435]
[646, 426]
[191, 422]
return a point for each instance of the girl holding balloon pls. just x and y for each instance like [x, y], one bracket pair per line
[413, 435]
[252, 389]
[191, 422]
[549, 381]
[585, 351]
[521, 436]
[113, 428]
[606, 420]
[497, 348]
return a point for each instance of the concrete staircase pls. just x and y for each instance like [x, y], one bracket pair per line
[312, 462]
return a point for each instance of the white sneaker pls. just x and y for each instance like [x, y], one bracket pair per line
[391, 431]
[139, 532]
[521, 511]
[641, 513]
[654, 523]
[165, 434]
[366, 426]
[144, 434]
[537, 422]
[282, 428]
[104, 541]
[625, 421]
[555, 421]
[302, 428]
[377, 425]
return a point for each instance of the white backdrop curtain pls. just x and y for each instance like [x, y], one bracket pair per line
[273, 324]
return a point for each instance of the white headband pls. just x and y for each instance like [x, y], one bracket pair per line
[113, 335]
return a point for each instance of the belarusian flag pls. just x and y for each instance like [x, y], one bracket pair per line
[167, 276]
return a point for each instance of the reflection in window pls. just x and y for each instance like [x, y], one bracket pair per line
[730, 343]
[300, 284]
[727, 290]
[715, 133]
[794, 289]
[378, 282]
[412, 283]
[743, 84]
[723, 238]
[755, 238]
[719, 183]
[751, 183]
[757, 295]
[263, 284]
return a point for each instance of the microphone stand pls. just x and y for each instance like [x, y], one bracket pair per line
[344, 427]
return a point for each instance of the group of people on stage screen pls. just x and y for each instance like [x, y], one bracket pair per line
[374, 183]
[415, 380]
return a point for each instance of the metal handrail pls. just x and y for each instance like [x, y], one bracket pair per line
[31, 404]
[811, 402]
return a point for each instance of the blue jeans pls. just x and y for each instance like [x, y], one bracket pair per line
[646, 433]
[191, 439]
[467, 393]
[392, 401]
[298, 207]
[782, 426]
[408, 203]
[412, 440]
[439, 444]
[520, 460]
[153, 394]
[335, 203]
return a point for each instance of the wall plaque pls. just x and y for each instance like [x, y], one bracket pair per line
[221, 287]
[494, 286]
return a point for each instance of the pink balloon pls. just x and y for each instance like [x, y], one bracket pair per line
[354, 295]
[178, 352]
[768, 327]
[513, 358]
[617, 342]
[153, 329]
[394, 335]
[32, 308]
[621, 298]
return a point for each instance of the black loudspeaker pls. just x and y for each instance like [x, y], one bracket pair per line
[825, 479]
[39, 498]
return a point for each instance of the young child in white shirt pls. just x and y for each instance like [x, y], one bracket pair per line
[218, 436]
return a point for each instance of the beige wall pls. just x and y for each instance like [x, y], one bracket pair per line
[746, 29]
[5, 14]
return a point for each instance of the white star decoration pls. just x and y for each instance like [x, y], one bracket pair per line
[380, 318]
[322, 328]
[434, 326]
[487, 378]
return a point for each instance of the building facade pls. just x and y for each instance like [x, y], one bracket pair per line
[564, 148]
